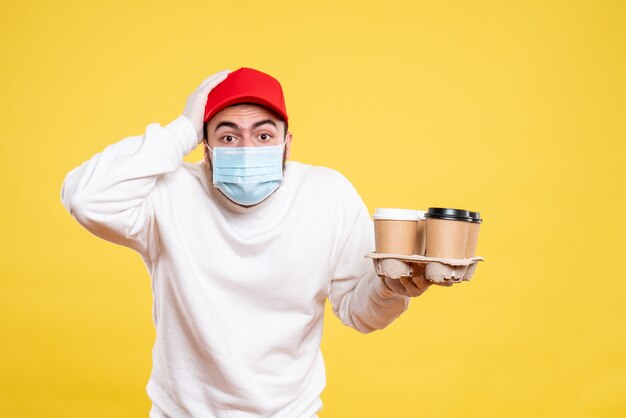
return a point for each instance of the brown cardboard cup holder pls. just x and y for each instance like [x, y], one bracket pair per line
[438, 270]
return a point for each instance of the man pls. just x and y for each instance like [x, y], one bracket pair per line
[243, 250]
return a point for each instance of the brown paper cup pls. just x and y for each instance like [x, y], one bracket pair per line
[420, 240]
[395, 237]
[446, 238]
[472, 240]
[396, 230]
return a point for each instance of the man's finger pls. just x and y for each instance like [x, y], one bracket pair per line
[395, 285]
[209, 83]
[421, 282]
[447, 283]
[413, 289]
[409, 287]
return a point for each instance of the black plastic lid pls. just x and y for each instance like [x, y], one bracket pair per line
[475, 217]
[449, 214]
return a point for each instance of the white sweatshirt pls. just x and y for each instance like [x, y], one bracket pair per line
[238, 293]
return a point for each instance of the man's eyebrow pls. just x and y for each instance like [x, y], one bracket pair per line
[263, 122]
[228, 124]
[254, 125]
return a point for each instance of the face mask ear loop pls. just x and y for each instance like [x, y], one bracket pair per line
[211, 149]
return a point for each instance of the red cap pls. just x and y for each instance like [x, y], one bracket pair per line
[246, 85]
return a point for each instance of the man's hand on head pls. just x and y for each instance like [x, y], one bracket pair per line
[196, 103]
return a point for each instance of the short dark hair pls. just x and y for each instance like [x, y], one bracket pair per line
[206, 124]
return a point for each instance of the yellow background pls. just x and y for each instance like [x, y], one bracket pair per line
[513, 108]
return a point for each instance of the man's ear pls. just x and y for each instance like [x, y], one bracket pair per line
[288, 139]
[205, 146]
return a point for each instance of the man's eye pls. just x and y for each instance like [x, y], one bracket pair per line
[228, 138]
[265, 137]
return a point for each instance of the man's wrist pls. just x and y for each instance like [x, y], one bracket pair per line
[188, 138]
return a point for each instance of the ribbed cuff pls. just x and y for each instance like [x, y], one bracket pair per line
[185, 132]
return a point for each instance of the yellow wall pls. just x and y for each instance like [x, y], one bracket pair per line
[513, 108]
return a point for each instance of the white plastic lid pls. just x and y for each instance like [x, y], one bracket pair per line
[398, 214]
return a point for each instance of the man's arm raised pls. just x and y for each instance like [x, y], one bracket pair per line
[109, 193]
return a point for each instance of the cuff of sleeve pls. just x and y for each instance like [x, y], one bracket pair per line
[186, 133]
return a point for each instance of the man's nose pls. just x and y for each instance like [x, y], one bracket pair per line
[248, 141]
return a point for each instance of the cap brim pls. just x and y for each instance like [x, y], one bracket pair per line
[244, 98]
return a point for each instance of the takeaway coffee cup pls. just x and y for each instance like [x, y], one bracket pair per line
[472, 239]
[447, 232]
[420, 239]
[396, 230]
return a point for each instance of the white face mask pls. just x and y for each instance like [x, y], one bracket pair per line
[248, 175]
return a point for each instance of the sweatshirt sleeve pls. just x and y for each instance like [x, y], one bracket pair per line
[359, 297]
[109, 193]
